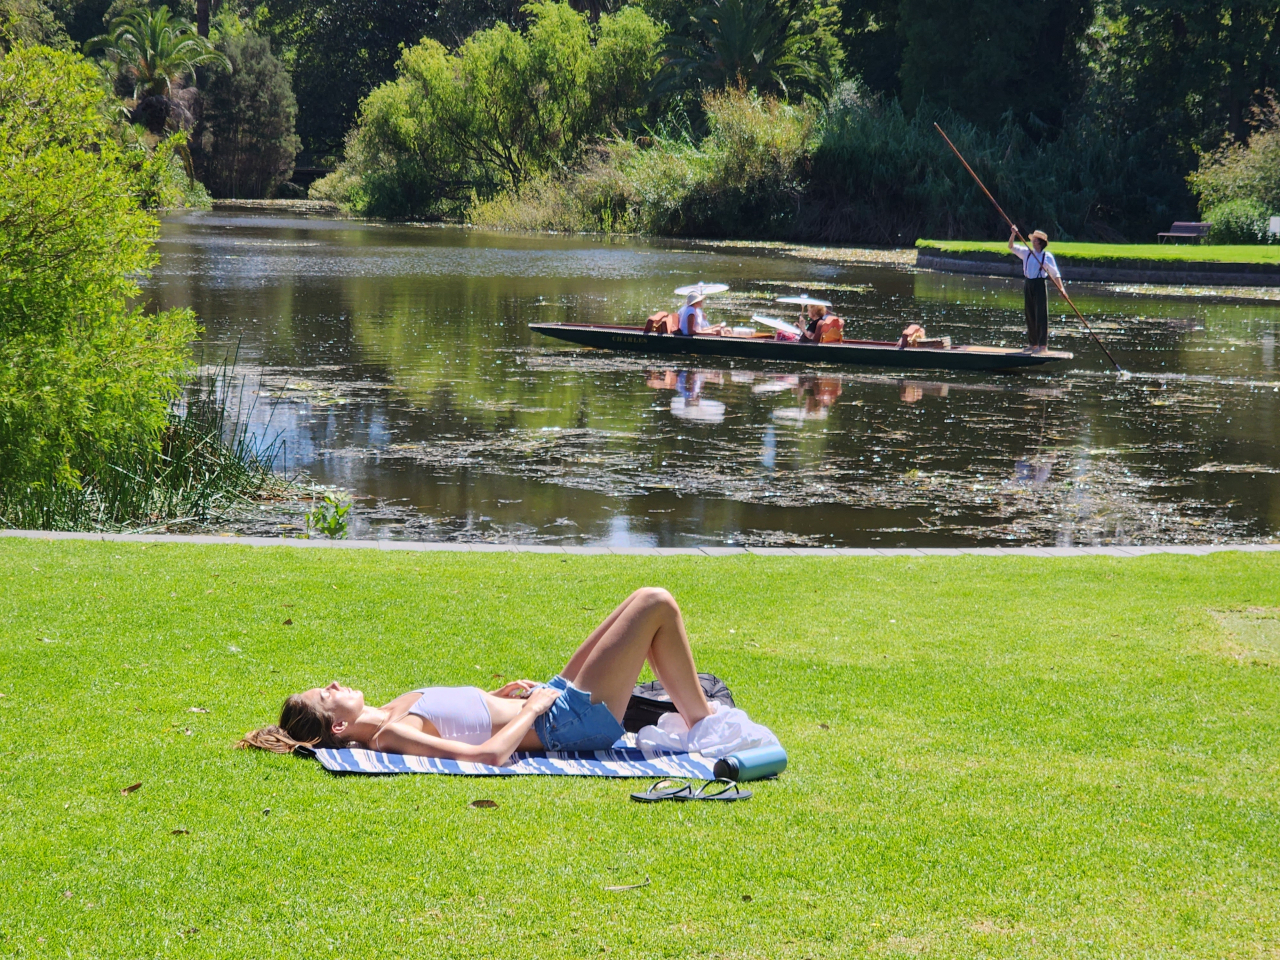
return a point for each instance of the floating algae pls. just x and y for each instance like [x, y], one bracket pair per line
[401, 368]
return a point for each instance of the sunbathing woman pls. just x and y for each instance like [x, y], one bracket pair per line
[580, 709]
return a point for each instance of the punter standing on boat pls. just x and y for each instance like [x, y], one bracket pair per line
[1038, 265]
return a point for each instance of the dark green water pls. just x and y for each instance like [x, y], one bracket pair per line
[396, 362]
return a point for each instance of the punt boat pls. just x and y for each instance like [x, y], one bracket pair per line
[763, 346]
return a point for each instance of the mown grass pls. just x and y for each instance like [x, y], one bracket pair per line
[1189, 252]
[990, 757]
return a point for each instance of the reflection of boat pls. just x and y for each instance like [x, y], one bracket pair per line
[883, 353]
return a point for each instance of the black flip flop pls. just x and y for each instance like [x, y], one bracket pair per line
[726, 791]
[675, 790]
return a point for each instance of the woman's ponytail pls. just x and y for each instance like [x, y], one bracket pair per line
[300, 724]
[268, 738]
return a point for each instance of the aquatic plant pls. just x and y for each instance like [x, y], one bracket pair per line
[206, 465]
[329, 516]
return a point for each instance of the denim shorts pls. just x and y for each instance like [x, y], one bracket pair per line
[574, 723]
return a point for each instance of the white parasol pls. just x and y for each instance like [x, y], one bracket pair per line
[702, 288]
[776, 324]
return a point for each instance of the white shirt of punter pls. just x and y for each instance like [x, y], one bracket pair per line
[698, 318]
[1035, 265]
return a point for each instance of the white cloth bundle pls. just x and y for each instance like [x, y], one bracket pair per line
[728, 730]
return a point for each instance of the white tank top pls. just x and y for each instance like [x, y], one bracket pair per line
[457, 713]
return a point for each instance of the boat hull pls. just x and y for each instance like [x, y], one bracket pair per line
[863, 352]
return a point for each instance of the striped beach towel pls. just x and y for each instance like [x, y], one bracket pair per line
[622, 760]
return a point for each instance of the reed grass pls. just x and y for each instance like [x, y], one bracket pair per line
[205, 464]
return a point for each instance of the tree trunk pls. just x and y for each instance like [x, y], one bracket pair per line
[202, 17]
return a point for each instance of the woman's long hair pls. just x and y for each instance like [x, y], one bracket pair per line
[301, 724]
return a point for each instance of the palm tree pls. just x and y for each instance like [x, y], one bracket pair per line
[155, 52]
[763, 45]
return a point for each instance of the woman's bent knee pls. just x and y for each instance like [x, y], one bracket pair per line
[657, 597]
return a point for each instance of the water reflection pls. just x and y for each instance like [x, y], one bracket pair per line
[398, 363]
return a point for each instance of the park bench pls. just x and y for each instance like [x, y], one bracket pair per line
[1182, 230]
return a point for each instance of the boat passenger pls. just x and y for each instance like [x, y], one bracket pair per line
[823, 326]
[580, 708]
[693, 321]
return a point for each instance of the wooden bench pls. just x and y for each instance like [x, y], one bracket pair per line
[1184, 230]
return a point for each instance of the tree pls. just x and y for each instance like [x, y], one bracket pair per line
[508, 106]
[981, 59]
[86, 374]
[771, 46]
[343, 49]
[1195, 71]
[154, 53]
[245, 143]
[29, 22]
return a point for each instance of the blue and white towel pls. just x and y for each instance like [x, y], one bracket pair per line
[621, 760]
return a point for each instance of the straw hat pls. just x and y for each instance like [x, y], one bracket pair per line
[1040, 235]
[693, 298]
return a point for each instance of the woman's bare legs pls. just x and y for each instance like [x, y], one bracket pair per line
[645, 626]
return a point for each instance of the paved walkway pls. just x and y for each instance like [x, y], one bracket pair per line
[418, 547]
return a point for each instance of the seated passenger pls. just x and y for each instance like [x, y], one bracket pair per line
[693, 321]
[823, 326]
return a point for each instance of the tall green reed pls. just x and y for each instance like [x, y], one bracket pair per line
[206, 464]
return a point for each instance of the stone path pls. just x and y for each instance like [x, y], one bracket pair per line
[419, 547]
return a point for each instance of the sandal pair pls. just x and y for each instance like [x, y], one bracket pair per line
[672, 789]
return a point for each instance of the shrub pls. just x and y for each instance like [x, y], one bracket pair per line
[506, 108]
[86, 375]
[881, 176]
[741, 179]
[1248, 171]
[245, 143]
[1238, 221]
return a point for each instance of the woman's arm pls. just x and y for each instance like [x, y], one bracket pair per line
[399, 738]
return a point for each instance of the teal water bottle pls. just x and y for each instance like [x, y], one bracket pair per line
[754, 764]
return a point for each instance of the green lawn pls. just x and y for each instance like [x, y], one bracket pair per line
[1225, 253]
[990, 757]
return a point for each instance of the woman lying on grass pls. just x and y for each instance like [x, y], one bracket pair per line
[580, 709]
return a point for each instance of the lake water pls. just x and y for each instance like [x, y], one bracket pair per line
[395, 362]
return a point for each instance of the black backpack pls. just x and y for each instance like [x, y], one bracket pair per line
[649, 701]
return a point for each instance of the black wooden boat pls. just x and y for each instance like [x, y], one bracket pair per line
[762, 346]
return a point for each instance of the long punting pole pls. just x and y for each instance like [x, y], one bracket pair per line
[1056, 282]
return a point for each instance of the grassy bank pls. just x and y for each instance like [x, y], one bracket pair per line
[989, 757]
[1186, 252]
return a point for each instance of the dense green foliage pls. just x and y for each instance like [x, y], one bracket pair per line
[29, 22]
[86, 376]
[963, 782]
[245, 143]
[154, 55]
[774, 47]
[341, 50]
[740, 179]
[1239, 184]
[862, 170]
[507, 106]
[1238, 221]
[881, 175]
